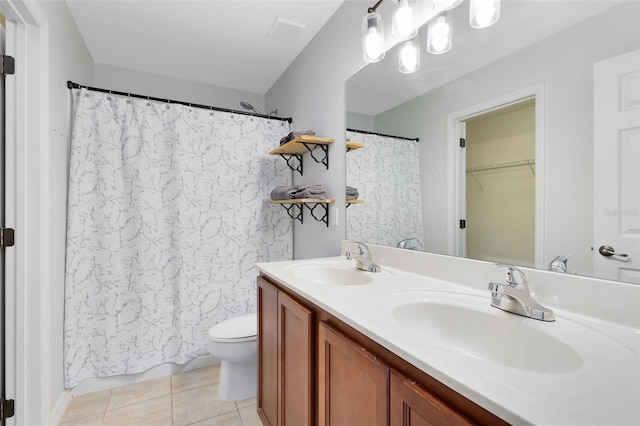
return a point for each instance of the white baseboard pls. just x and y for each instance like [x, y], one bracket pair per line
[60, 407]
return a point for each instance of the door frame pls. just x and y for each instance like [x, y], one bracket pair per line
[27, 263]
[456, 170]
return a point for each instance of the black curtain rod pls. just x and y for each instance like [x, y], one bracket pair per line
[382, 134]
[72, 85]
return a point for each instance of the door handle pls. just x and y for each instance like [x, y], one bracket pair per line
[608, 251]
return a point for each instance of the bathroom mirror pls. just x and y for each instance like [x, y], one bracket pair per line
[530, 76]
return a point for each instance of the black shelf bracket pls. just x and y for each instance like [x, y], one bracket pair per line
[324, 148]
[294, 211]
[325, 217]
[289, 157]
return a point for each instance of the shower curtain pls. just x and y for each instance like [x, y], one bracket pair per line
[167, 213]
[386, 172]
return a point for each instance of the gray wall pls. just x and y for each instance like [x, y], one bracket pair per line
[159, 86]
[69, 59]
[360, 121]
[564, 63]
[312, 91]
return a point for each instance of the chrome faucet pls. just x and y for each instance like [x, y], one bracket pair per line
[514, 296]
[559, 264]
[364, 260]
[404, 244]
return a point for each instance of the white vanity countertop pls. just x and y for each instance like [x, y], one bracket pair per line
[599, 386]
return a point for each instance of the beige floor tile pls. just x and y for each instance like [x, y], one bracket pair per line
[139, 392]
[154, 412]
[227, 419]
[250, 417]
[87, 405]
[198, 404]
[195, 378]
[93, 420]
[251, 402]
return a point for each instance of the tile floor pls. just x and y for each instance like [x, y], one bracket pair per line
[189, 398]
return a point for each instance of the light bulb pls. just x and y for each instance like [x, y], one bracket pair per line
[404, 20]
[373, 43]
[484, 13]
[372, 38]
[445, 4]
[439, 36]
[410, 57]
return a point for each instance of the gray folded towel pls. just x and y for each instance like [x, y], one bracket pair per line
[284, 192]
[352, 193]
[313, 188]
[318, 195]
[311, 191]
[292, 135]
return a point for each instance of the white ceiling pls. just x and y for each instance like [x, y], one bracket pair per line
[218, 42]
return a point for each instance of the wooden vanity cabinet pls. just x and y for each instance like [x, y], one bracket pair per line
[358, 381]
[285, 358]
[413, 405]
[353, 384]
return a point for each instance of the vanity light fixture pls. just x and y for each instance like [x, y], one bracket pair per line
[484, 13]
[404, 23]
[373, 36]
[410, 56]
[439, 35]
[445, 4]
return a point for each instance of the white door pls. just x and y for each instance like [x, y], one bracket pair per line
[616, 171]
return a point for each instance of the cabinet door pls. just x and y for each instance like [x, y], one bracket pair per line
[412, 405]
[267, 353]
[296, 366]
[353, 384]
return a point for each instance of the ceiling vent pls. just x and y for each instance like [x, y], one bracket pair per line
[285, 30]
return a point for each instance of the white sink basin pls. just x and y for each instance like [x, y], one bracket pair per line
[334, 272]
[468, 325]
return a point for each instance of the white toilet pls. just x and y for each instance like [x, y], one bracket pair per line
[234, 343]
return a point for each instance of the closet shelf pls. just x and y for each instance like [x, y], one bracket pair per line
[351, 145]
[498, 166]
[295, 148]
[295, 208]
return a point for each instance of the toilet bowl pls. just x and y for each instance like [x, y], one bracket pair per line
[234, 343]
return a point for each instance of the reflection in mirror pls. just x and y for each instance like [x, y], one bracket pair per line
[577, 63]
[386, 174]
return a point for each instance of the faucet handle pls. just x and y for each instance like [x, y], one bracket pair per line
[362, 247]
[515, 276]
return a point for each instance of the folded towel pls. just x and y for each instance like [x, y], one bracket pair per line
[352, 193]
[318, 195]
[283, 192]
[311, 191]
[292, 135]
[313, 188]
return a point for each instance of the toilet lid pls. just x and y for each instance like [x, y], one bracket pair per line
[237, 329]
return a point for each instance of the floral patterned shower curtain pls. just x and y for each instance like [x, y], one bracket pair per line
[167, 213]
[386, 173]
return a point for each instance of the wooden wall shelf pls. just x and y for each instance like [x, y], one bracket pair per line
[357, 201]
[295, 148]
[351, 145]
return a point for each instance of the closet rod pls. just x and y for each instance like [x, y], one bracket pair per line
[382, 134]
[502, 166]
[72, 85]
